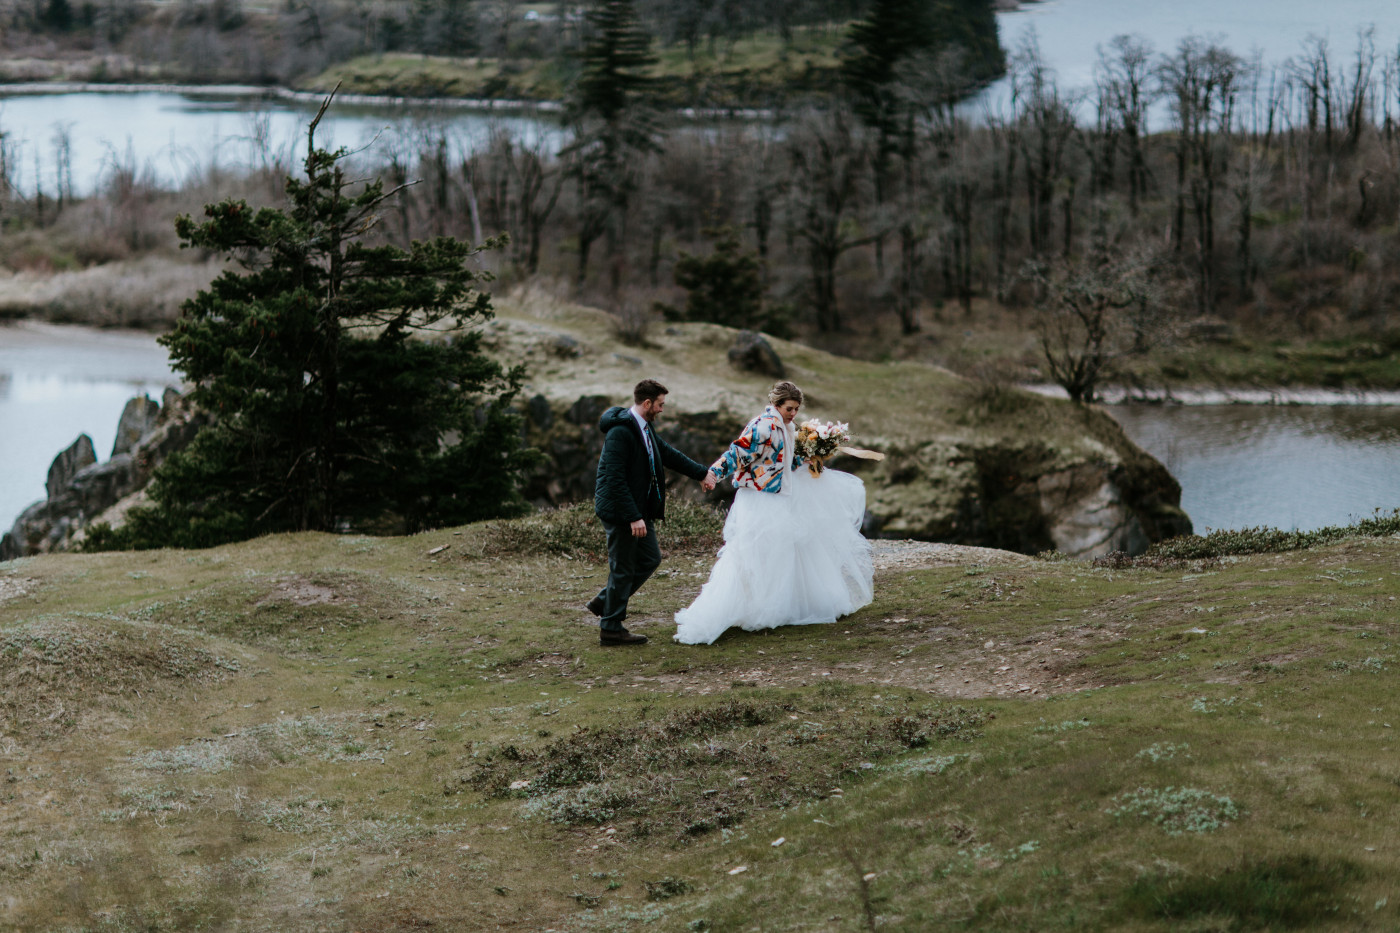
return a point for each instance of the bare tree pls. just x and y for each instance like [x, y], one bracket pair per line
[1204, 81]
[1045, 125]
[1082, 318]
[1358, 90]
[538, 182]
[828, 158]
[1312, 71]
[1126, 90]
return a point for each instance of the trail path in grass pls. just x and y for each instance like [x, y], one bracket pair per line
[932, 657]
[907, 555]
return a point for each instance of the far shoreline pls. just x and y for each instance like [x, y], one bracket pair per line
[1296, 396]
[314, 98]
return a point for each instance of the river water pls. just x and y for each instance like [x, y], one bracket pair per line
[1286, 466]
[170, 137]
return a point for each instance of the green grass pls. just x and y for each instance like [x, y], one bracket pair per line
[754, 71]
[1353, 362]
[409, 75]
[309, 731]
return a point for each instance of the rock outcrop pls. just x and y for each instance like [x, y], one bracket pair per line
[753, 352]
[1025, 497]
[965, 463]
[80, 490]
[138, 418]
[79, 455]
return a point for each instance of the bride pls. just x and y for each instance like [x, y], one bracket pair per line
[793, 553]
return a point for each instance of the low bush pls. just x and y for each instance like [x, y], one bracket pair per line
[1175, 552]
[1292, 891]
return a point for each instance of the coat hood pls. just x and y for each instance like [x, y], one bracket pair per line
[615, 416]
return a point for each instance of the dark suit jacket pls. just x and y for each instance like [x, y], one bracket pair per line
[627, 489]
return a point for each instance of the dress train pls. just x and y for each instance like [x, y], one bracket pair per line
[792, 559]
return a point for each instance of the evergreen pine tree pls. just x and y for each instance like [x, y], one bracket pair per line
[613, 63]
[57, 15]
[725, 287]
[613, 124]
[327, 411]
[893, 31]
[894, 34]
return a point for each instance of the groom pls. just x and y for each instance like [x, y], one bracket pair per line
[630, 497]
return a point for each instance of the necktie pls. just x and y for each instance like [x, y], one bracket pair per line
[651, 447]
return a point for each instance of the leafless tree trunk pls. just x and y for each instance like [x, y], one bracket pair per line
[1125, 89]
[1046, 124]
[828, 159]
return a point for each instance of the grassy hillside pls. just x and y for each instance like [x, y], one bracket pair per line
[316, 732]
[754, 71]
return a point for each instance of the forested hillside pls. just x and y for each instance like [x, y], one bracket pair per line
[712, 52]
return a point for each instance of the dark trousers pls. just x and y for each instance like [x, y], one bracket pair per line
[630, 562]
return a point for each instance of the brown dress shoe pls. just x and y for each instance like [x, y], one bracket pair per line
[620, 637]
[595, 606]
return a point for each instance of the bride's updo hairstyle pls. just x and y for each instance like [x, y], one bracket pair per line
[782, 392]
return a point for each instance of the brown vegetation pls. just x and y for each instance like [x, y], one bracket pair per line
[1269, 205]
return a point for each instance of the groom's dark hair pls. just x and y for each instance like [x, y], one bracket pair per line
[648, 389]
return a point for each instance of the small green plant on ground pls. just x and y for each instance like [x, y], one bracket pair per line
[1177, 809]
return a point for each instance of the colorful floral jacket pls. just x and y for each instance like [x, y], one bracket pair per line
[755, 460]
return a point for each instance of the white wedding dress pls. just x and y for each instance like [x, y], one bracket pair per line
[790, 558]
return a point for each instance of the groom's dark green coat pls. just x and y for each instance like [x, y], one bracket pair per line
[627, 490]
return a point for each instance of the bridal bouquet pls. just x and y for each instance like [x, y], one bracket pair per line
[818, 441]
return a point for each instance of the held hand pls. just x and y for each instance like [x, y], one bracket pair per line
[639, 529]
[708, 483]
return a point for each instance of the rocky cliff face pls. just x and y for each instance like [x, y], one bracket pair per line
[80, 490]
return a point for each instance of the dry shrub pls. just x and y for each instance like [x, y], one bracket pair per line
[632, 321]
[284, 742]
[146, 292]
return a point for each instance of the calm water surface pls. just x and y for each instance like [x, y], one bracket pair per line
[57, 383]
[171, 138]
[1289, 467]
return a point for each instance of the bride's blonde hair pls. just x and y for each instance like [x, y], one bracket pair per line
[782, 391]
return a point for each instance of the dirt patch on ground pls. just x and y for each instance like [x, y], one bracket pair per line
[299, 591]
[552, 663]
[927, 655]
[959, 667]
[910, 555]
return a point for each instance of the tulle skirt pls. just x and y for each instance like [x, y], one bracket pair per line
[792, 559]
